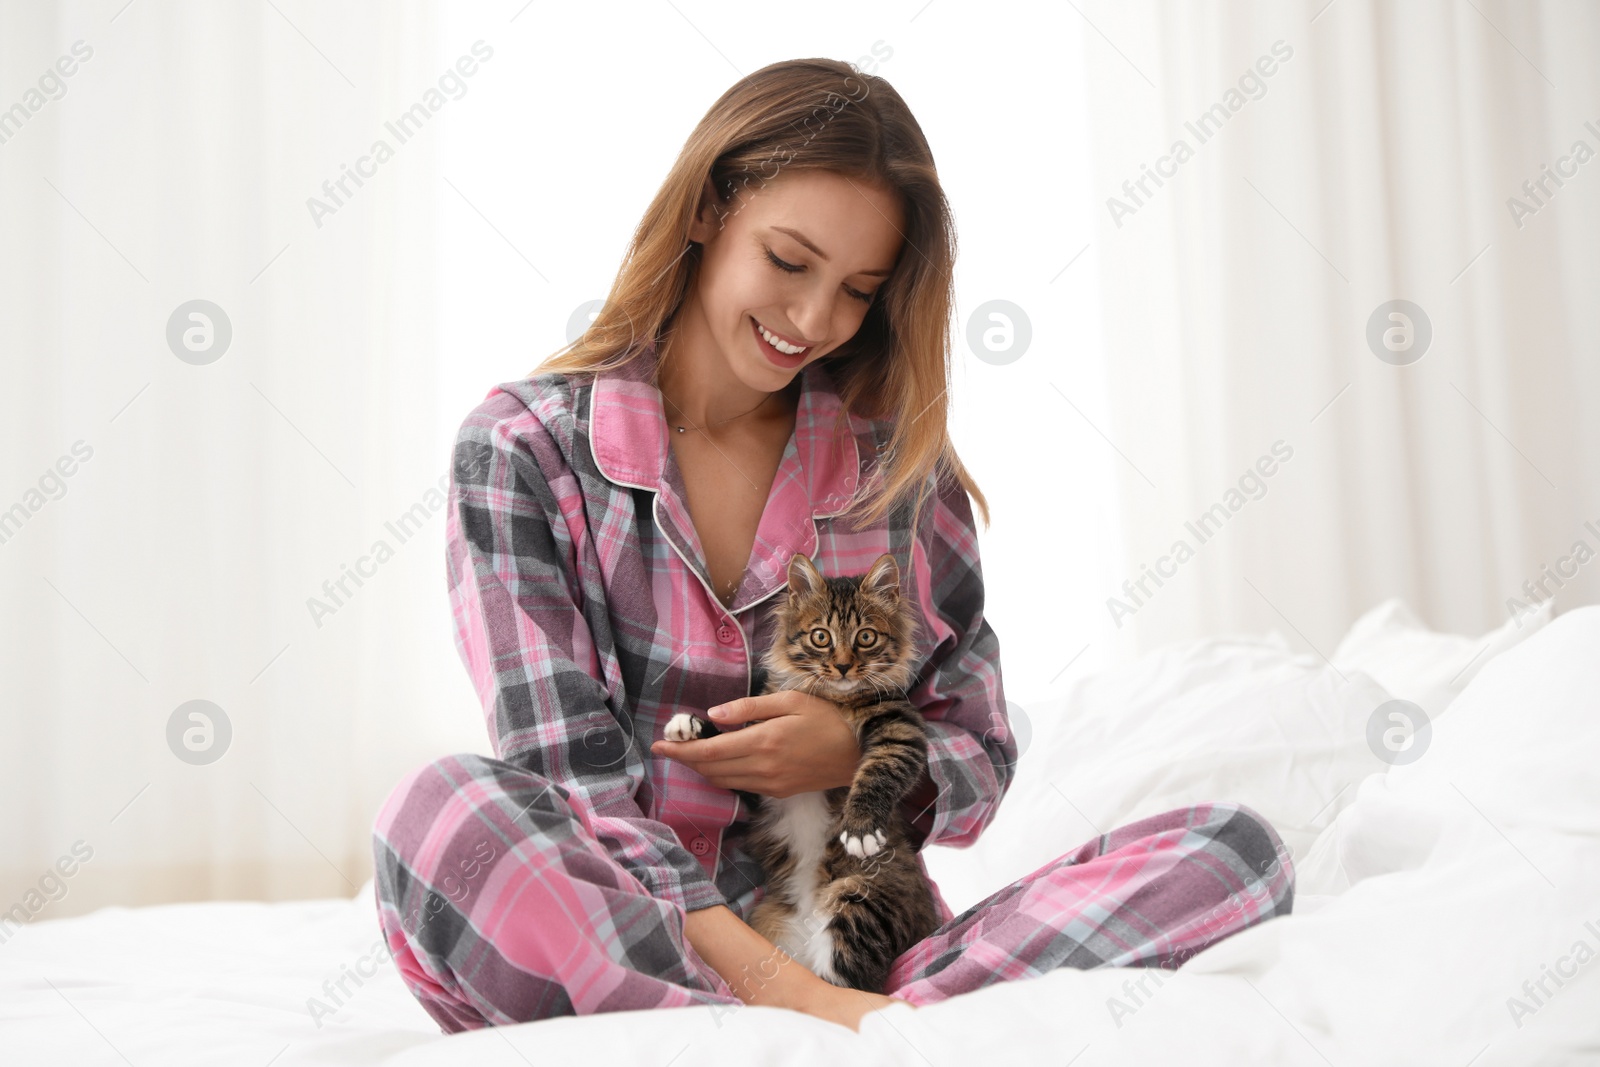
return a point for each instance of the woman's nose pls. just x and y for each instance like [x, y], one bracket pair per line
[811, 318]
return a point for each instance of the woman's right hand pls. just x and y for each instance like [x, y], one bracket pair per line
[844, 1006]
[743, 958]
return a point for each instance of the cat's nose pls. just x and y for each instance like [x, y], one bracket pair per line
[842, 668]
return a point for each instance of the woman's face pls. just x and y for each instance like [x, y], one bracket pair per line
[834, 241]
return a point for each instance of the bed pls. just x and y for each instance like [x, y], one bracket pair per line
[1446, 910]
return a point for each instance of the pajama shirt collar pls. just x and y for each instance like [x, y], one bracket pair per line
[817, 477]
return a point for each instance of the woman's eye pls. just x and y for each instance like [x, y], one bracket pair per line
[821, 638]
[866, 638]
[780, 264]
[791, 268]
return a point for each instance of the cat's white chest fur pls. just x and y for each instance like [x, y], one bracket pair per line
[804, 823]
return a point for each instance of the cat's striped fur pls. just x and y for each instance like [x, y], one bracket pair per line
[845, 895]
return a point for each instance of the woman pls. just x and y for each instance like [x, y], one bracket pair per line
[767, 377]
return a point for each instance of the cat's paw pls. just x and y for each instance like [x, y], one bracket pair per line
[684, 727]
[867, 843]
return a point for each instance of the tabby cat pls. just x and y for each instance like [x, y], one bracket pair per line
[845, 895]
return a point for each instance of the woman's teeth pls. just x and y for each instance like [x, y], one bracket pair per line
[778, 343]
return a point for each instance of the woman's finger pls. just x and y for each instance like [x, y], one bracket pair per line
[762, 785]
[746, 709]
[723, 746]
[718, 771]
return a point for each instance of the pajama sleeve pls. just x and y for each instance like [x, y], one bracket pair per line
[972, 753]
[534, 632]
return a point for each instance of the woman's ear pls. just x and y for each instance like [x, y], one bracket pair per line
[884, 577]
[709, 215]
[804, 578]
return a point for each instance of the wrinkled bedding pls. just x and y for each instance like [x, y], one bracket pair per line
[1447, 911]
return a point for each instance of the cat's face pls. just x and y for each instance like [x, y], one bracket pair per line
[839, 636]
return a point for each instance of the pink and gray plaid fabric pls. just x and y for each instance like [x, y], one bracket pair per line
[552, 879]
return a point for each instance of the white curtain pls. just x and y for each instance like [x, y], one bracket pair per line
[206, 543]
[208, 547]
[1337, 156]
[208, 502]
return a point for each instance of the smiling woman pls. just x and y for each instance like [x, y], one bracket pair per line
[766, 382]
[728, 366]
[840, 213]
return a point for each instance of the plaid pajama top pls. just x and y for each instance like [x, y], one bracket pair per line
[584, 614]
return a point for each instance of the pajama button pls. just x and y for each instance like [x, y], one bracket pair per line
[725, 634]
[699, 846]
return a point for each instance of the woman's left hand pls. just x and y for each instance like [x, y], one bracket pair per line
[802, 745]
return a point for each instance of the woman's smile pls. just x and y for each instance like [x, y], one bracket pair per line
[785, 360]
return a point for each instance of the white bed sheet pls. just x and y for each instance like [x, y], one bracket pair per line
[1429, 894]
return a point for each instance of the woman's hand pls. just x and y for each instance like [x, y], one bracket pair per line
[844, 1006]
[801, 745]
[760, 973]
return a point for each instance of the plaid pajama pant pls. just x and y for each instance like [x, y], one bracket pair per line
[501, 905]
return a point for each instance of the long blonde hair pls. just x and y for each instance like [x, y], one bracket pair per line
[813, 114]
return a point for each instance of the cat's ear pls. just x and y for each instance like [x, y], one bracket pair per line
[804, 578]
[884, 577]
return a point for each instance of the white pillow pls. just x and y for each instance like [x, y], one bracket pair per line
[1423, 666]
[1234, 719]
[1513, 759]
[1221, 719]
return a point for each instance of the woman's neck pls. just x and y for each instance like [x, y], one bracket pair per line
[700, 391]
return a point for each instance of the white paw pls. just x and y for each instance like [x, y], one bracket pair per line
[861, 847]
[682, 727]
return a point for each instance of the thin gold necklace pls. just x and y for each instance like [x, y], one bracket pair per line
[720, 422]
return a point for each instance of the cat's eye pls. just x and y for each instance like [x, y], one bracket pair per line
[821, 638]
[866, 638]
